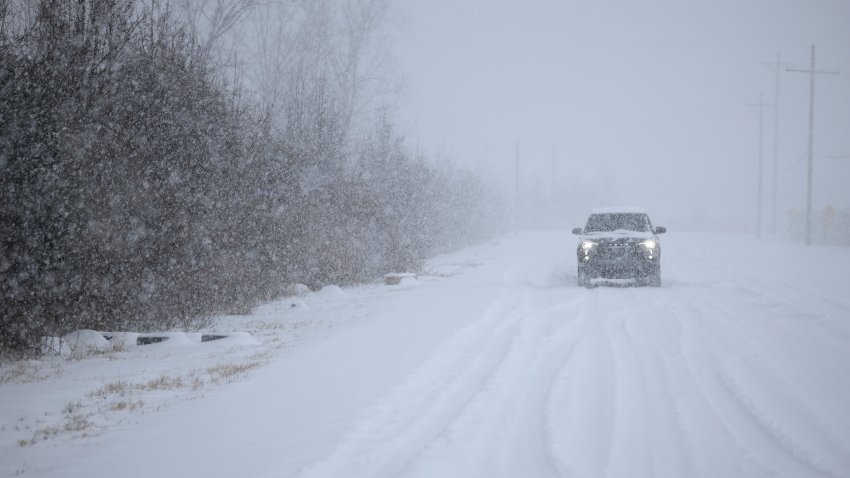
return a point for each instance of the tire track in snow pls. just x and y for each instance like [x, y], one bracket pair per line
[782, 407]
[777, 328]
[798, 299]
[807, 356]
[581, 404]
[629, 453]
[714, 355]
[655, 334]
[566, 329]
[710, 414]
[652, 440]
[465, 445]
[392, 433]
[506, 421]
[694, 443]
[553, 396]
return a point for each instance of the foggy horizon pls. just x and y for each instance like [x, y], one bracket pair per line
[643, 105]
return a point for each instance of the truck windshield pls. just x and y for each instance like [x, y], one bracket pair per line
[617, 222]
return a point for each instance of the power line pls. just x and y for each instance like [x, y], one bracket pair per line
[789, 167]
[832, 156]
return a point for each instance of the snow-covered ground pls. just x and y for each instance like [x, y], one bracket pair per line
[492, 363]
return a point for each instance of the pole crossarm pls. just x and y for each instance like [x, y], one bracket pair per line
[777, 65]
[832, 156]
[816, 72]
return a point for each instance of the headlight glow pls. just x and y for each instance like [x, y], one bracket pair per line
[649, 244]
[587, 245]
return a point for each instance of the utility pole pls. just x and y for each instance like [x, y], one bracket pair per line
[516, 191]
[761, 106]
[810, 169]
[554, 174]
[777, 66]
[554, 169]
[554, 214]
[516, 173]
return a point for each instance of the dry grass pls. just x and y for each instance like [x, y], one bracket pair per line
[119, 387]
[78, 417]
[194, 380]
[91, 414]
[28, 372]
[72, 407]
[163, 382]
[75, 423]
[127, 406]
[228, 372]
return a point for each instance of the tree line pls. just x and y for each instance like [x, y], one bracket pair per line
[145, 186]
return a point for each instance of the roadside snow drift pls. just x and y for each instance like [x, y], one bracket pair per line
[494, 364]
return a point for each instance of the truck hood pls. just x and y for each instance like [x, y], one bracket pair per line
[618, 237]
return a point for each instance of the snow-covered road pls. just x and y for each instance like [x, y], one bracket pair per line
[497, 365]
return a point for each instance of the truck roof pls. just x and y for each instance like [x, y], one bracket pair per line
[614, 210]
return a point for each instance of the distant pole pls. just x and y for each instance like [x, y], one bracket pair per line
[554, 174]
[773, 187]
[516, 191]
[554, 170]
[810, 166]
[554, 217]
[761, 142]
[761, 106]
[777, 66]
[516, 173]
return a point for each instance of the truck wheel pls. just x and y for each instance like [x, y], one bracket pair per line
[582, 280]
[654, 279]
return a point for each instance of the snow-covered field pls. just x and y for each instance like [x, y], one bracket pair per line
[492, 363]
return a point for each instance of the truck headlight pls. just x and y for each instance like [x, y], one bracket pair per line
[586, 246]
[649, 244]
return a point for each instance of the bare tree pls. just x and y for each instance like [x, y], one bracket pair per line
[209, 21]
[364, 62]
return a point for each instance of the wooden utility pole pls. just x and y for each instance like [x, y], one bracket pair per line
[761, 106]
[554, 175]
[777, 66]
[516, 191]
[516, 174]
[810, 167]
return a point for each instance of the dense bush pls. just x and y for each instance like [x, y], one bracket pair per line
[140, 190]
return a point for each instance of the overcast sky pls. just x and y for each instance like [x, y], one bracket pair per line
[640, 102]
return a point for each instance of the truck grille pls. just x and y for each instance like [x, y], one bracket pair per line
[619, 252]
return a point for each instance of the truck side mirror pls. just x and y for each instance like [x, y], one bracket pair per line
[660, 230]
[577, 231]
